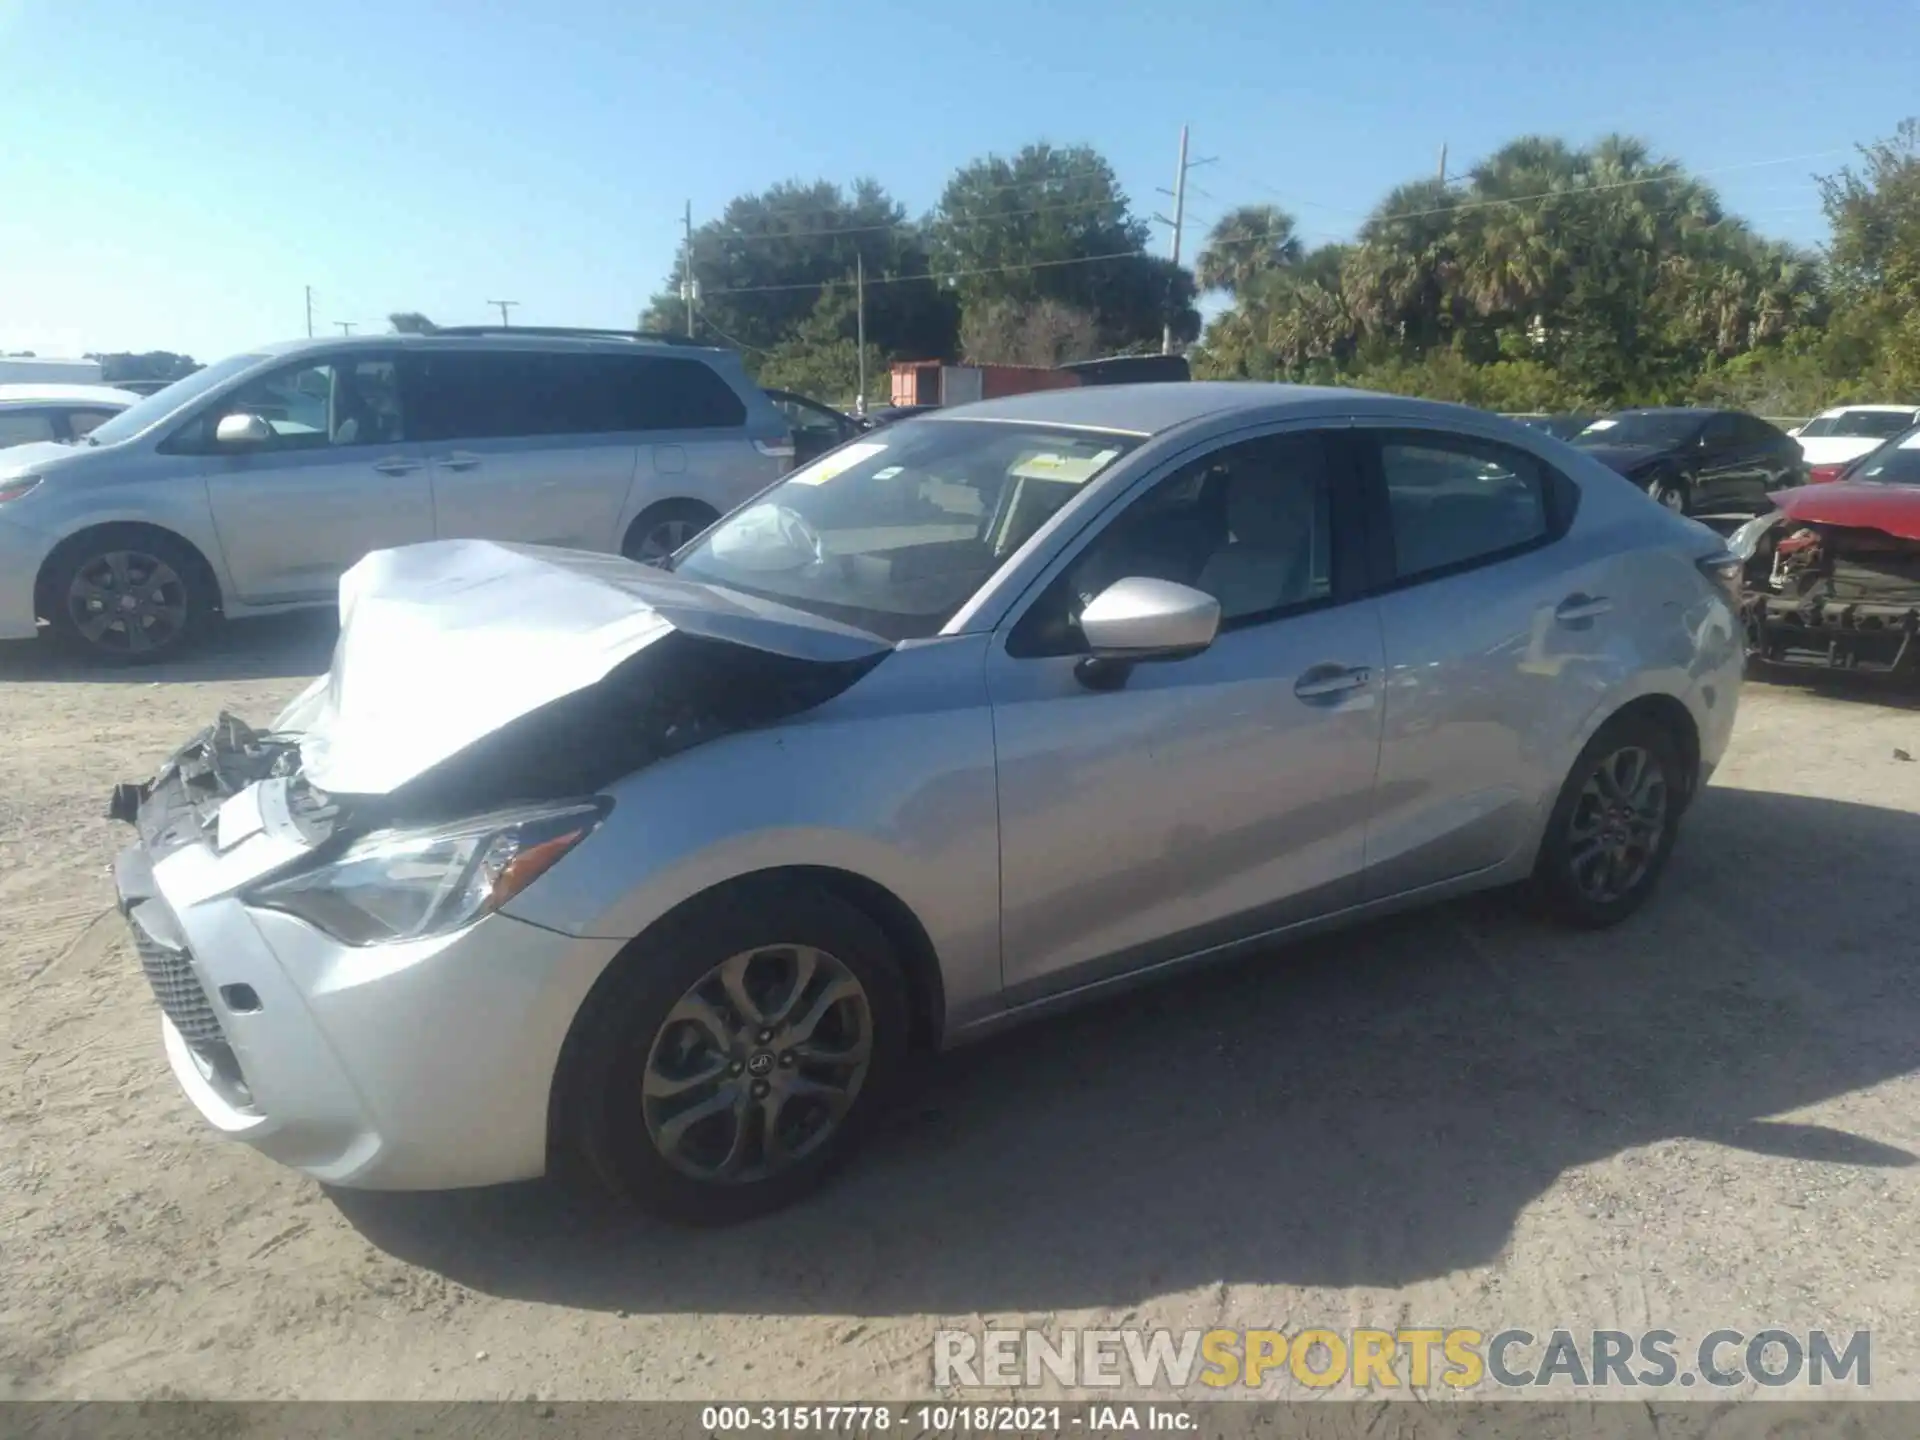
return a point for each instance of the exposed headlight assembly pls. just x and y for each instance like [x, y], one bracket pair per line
[1744, 541]
[414, 884]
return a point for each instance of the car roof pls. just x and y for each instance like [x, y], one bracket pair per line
[510, 339]
[1150, 408]
[54, 393]
[1888, 409]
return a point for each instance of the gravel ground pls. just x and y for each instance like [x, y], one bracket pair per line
[1705, 1118]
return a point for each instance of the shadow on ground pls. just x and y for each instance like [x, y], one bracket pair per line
[271, 648]
[1370, 1109]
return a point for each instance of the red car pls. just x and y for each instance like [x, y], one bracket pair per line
[1832, 575]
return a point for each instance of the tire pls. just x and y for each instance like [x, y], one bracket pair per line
[1671, 492]
[662, 529]
[1565, 873]
[639, 1065]
[127, 595]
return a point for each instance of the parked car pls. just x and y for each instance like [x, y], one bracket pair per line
[1836, 437]
[253, 484]
[1561, 427]
[671, 869]
[1696, 461]
[40, 413]
[1832, 574]
[816, 428]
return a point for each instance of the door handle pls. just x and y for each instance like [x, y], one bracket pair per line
[458, 460]
[1576, 608]
[396, 465]
[1323, 681]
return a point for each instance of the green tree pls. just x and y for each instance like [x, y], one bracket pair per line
[1874, 212]
[763, 267]
[1245, 243]
[1053, 224]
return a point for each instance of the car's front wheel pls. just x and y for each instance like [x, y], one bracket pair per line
[739, 1054]
[1613, 826]
[126, 595]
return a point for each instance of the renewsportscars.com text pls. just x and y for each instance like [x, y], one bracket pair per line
[1407, 1359]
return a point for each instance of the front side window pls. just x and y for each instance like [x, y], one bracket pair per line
[23, 427]
[1453, 501]
[895, 534]
[345, 401]
[1250, 524]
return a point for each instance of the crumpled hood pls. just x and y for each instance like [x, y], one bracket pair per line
[1625, 459]
[1855, 504]
[445, 644]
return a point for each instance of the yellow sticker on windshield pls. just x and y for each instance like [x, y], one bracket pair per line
[1051, 465]
[838, 463]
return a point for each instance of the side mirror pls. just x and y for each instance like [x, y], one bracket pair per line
[1139, 619]
[242, 430]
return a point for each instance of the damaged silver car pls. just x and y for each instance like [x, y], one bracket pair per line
[668, 872]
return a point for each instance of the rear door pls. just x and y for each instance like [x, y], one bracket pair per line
[714, 438]
[341, 475]
[527, 445]
[1483, 610]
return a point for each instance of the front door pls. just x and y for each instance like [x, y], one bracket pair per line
[1210, 798]
[337, 477]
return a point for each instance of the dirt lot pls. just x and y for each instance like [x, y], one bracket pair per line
[1706, 1118]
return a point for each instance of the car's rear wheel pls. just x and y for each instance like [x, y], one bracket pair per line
[127, 595]
[739, 1055]
[664, 528]
[1613, 825]
[1670, 491]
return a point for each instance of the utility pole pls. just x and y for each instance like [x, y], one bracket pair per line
[860, 327]
[689, 287]
[1443, 162]
[504, 306]
[309, 312]
[346, 326]
[1178, 222]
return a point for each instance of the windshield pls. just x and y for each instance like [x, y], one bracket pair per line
[893, 535]
[1859, 424]
[164, 402]
[1641, 427]
[1897, 463]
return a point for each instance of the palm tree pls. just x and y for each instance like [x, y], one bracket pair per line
[1246, 242]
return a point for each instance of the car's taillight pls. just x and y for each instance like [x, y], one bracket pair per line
[14, 489]
[1823, 474]
[1725, 569]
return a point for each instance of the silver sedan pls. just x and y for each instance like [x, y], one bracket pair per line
[988, 713]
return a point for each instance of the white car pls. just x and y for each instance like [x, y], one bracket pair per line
[57, 412]
[1836, 437]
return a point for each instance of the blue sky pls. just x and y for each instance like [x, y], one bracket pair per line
[172, 175]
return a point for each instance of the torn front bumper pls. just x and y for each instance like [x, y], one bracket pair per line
[420, 1065]
[1830, 634]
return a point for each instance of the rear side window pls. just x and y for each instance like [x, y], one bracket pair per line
[23, 427]
[480, 395]
[1454, 501]
[1756, 432]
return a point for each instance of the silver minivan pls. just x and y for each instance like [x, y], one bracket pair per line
[253, 484]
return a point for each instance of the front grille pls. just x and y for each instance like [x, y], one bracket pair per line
[177, 988]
